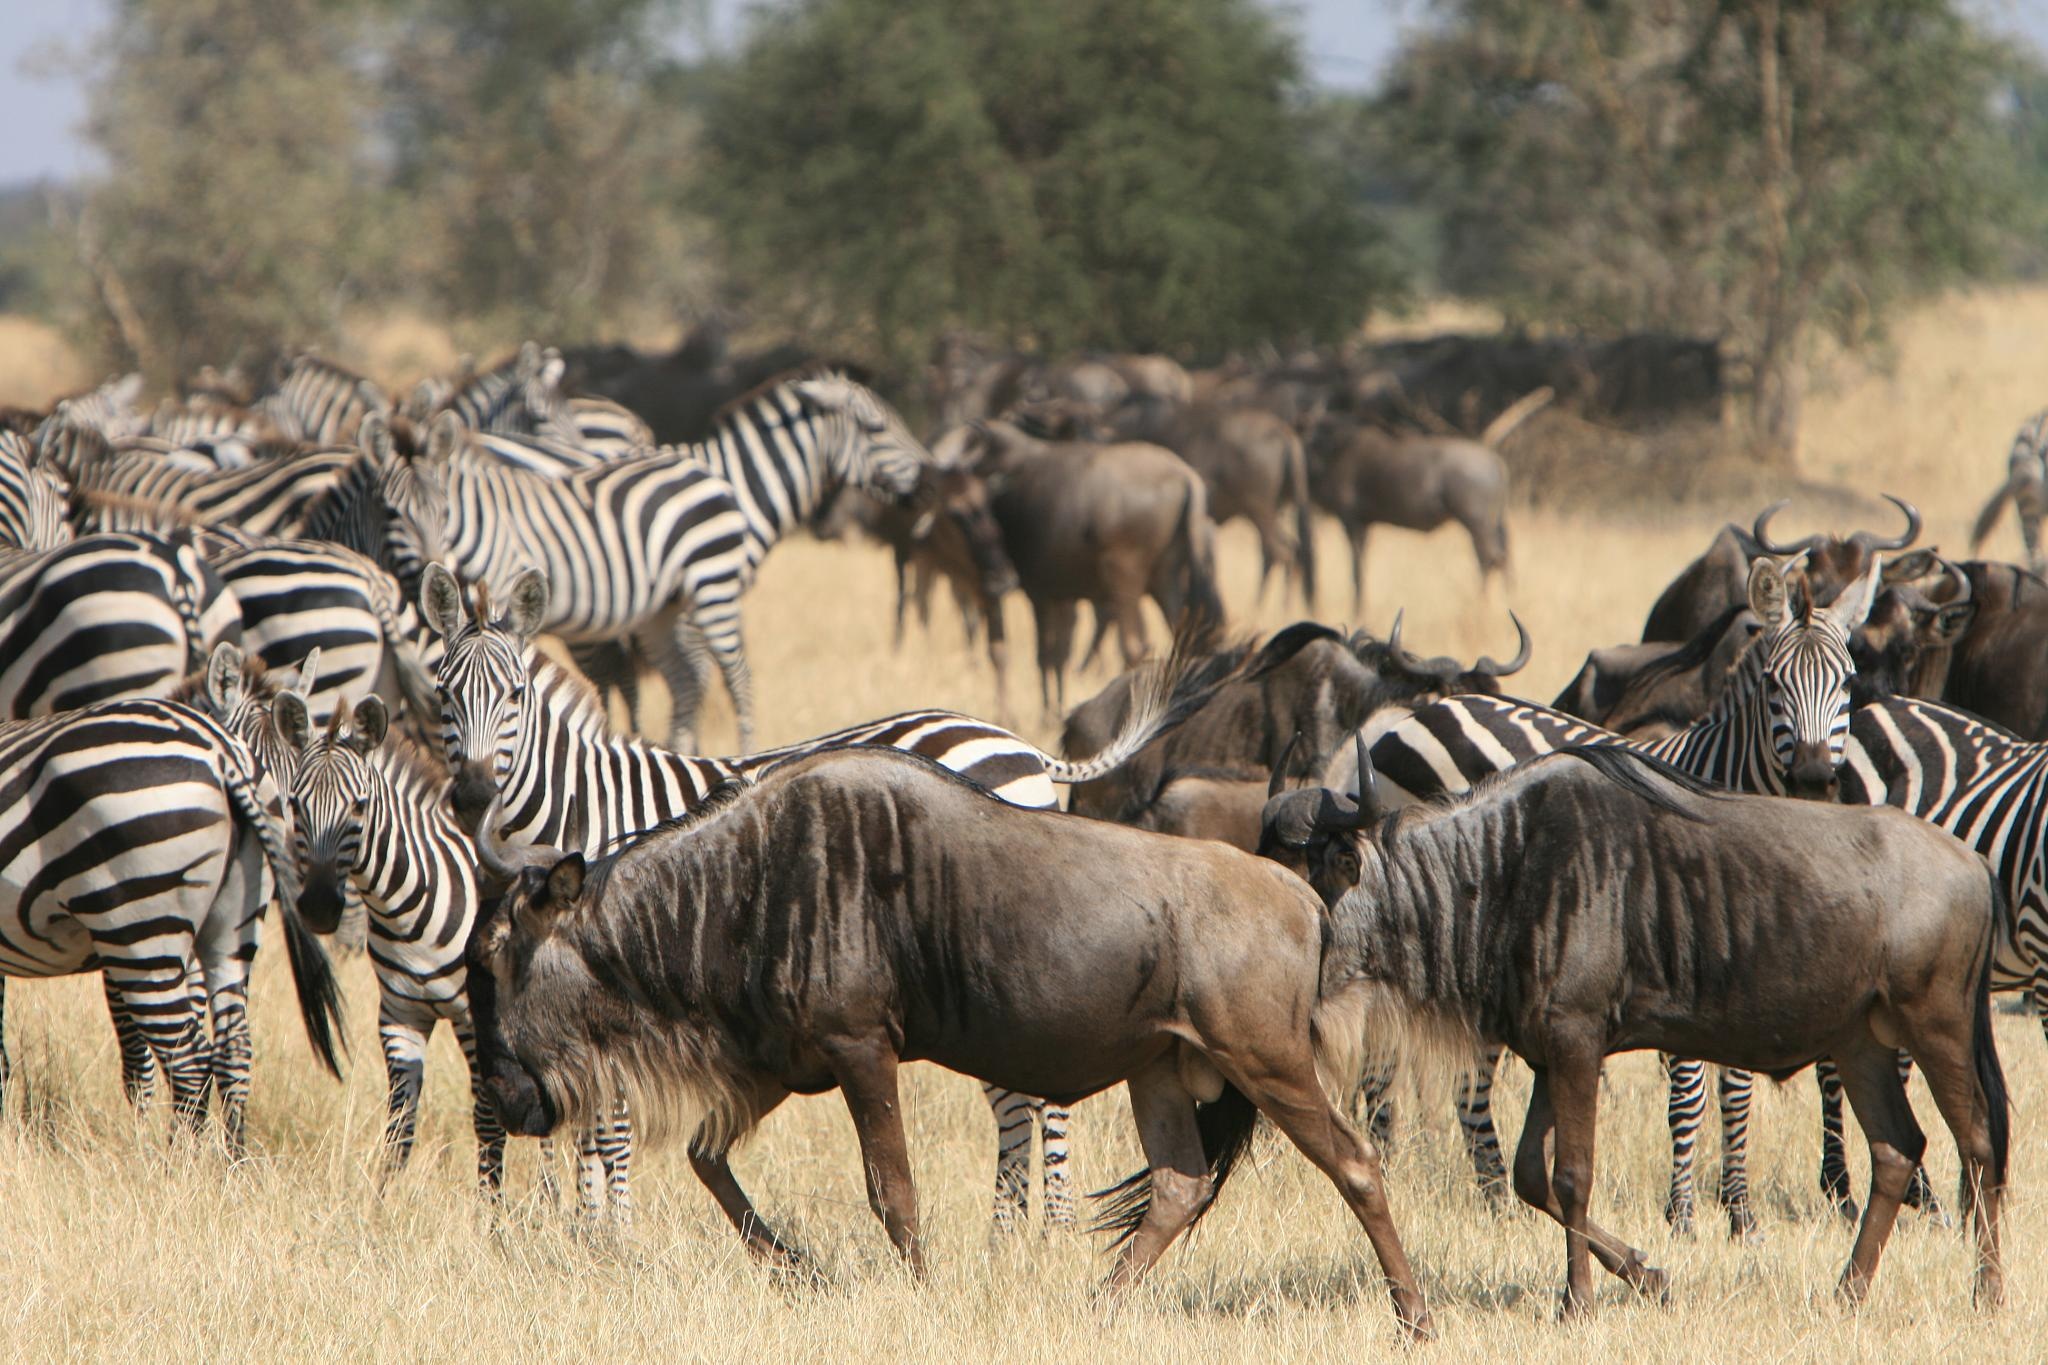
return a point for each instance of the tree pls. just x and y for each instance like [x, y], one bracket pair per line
[1111, 173]
[1761, 171]
[231, 221]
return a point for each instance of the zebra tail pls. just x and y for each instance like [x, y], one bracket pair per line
[1175, 690]
[1987, 520]
[312, 973]
[1984, 1046]
[188, 588]
[1226, 1126]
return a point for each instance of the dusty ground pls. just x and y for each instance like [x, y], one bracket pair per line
[114, 1240]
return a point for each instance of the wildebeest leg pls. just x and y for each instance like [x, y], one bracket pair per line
[1871, 1079]
[1947, 1061]
[1272, 552]
[866, 1072]
[1055, 642]
[1534, 1186]
[1357, 536]
[1834, 1154]
[1292, 1098]
[1919, 1191]
[1736, 1089]
[1475, 1122]
[715, 1172]
[1013, 1153]
[1165, 1114]
[1684, 1114]
[1130, 630]
[998, 657]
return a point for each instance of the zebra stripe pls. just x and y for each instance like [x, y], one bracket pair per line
[320, 403]
[133, 842]
[138, 490]
[1787, 697]
[34, 500]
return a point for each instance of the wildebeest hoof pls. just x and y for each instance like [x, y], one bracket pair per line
[1654, 1284]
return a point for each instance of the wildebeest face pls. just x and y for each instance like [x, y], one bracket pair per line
[483, 681]
[528, 990]
[959, 510]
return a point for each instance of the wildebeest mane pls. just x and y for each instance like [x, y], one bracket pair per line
[598, 870]
[1284, 644]
[1697, 650]
[1628, 767]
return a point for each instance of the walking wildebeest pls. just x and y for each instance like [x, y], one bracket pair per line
[1363, 475]
[1105, 524]
[2026, 488]
[1598, 901]
[856, 910]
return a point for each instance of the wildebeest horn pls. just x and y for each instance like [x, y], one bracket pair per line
[1337, 813]
[1394, 635]
[1514, 665]
[505, 864]
[1920, 601]
[1763, 537]
[1279, 779]
[1870, 542]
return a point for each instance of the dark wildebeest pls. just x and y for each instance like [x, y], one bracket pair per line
[1647, 690]
[857, 910]
[1254, 465]
[1598, 901]
[2026, 488]
[1719, 578]
[949, 533]
[1363, 475]
[1978, 642]
[1306, 681]
[1104, 524]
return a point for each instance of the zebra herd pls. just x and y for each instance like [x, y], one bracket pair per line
[287, 652]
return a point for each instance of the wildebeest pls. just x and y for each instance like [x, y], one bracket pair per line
[1105, 524]
[1598, 901]
[2025, 487]
[1718, 580]
[1307, 686]
[1650, 689]
[857, 910]
[1363, 475]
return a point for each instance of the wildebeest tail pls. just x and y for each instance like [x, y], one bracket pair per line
[1226, 1126]
[1987, 520]
[1984, 1045]
[1304, 519]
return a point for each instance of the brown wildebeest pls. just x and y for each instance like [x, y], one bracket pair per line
[1255, 468]
[1306, 681]
[1997, 664]
[1223, 804]
[2026, 488]
[1719, 578]
[1648, 690]
[1364, 476]
[1104, 524]
[1598, 901]
[857, 910]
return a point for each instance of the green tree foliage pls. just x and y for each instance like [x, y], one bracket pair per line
[1763, 171]
[231, 220]
[541, 150]
[1117, 173]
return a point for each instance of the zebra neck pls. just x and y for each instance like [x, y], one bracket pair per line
[415, 862]
[775, 462]
[1729, 744]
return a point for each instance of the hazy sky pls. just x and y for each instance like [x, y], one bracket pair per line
[42, 99]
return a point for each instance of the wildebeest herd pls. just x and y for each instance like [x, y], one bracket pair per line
[281, 648]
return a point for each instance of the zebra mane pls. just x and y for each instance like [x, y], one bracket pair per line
[598, 870]
[815, 369]
[410, 767]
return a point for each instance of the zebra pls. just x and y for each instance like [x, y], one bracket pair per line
[1779, 728]
[2026, 488]
[522, 731]
[1989, 788]
[110, 410]
[106, 616]
[522, 396]
[320, 403]
[134, 843]
[34, 499]
[139, 490]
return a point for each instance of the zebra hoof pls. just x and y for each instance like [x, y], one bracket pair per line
[1678, 1214]
[1743, 1226]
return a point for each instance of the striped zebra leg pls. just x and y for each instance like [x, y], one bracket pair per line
[1370, 1107]
[589, 1174]
[163, 1008]
[720, 627]
[1013, 1153]
[234, 1049]
[679, 656]
[138, 1065]
[6, 1066]
[1475, 1123]
[1834, 1156]
[1059, 1186]
[615, 1148]
[1685, 1114]
[405, 1061]
[1737, 1088]
[1919, 1190]
[483, 1118]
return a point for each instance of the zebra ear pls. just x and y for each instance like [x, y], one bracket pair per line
[825, 391]
[1767, 592]
[224, 677]
[1853, 606]
[443, 437]
[309, 671]
[373, 438]
[372, 722]
[529, 603]
[294, 721]
[441, 601]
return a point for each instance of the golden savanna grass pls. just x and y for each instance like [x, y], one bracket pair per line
[116, 1240]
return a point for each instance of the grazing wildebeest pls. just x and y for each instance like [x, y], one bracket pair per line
[2025, 487]
[1599, 901]
[1718, 580]
[858, 909]
[1254, 465]
[1306, 681]
[1363, 475]
[1104, 524]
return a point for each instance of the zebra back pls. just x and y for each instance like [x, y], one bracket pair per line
[321, 403]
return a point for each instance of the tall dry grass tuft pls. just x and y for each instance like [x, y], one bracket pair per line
[117, 1239]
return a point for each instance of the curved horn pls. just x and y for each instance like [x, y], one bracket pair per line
[505, 864]
[1871, 542]
[1394, 635]
[1514, 665]
[1337, 813]
[1279, 778]
[1763, 537]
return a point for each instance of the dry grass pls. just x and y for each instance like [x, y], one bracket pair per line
[115, 1240]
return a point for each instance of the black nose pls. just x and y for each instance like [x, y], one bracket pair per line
[1812, 774]
[474, 788]
[320, 900]
[521, 1106]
